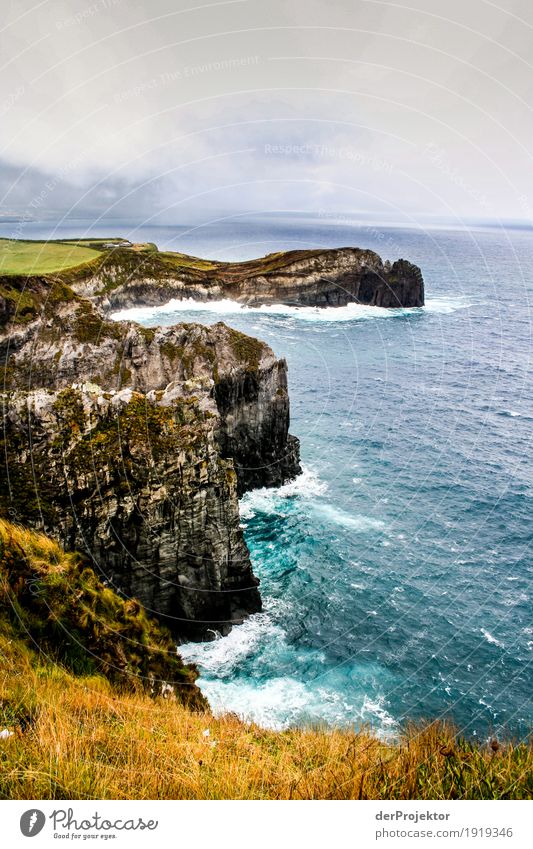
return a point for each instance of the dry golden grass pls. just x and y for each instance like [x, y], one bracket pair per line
[77, 738]
[83, 735]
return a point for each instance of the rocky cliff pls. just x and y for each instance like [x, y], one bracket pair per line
[132, 445]
[54, 606]
[336, 277]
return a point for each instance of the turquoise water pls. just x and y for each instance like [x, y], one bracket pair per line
[396, 572]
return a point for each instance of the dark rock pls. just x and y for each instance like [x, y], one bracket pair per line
[323, 278]
[254, 427]
[133, 445]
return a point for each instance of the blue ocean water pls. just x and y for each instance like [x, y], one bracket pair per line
[396, 571]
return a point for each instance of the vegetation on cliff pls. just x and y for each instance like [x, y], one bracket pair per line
[85, 720]
[34, 257]
[23, 299]
[53, 603]
[247, 349]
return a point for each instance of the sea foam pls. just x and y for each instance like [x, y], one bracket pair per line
[353, 521]
[307, 485]
[489, 638]
[285, 701]
[222, 656]
[351, 312]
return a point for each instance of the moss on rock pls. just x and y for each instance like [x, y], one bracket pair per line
[247, 349]
[57, 602]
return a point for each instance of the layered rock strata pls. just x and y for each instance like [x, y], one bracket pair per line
[318, 278]
[132, 445]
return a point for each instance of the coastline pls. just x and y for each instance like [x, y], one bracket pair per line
[299, 706]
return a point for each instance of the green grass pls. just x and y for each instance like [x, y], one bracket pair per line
[26, 257]
[19, 257]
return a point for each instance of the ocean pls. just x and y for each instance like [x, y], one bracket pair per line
[396, 571]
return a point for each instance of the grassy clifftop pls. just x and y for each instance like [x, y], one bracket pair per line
[21, 257]
[77, 696]
[54, 603]
[118, 259]
[33, 257]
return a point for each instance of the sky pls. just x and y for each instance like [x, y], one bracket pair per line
[170, 112]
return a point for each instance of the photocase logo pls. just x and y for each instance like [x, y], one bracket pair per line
[32, 822]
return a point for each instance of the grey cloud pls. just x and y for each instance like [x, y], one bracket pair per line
[154, 112]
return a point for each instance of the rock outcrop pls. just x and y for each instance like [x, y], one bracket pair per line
[132, 445]
[53, 604]
[322, 278]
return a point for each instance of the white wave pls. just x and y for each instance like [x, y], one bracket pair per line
[257, 501]
[282, 702]
[179, 305]
[306, 485]
[446, 304]
[222, 656]
[276, 703]
[490, 639]
[351, 312]
[355, 522]
[270, 501]
[374, 709]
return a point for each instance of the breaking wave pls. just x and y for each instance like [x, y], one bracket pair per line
[307, 485]
[351, 312]
[256, 673]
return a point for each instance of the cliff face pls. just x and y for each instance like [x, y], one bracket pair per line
[254, 427]
[132, 445]
[54, 605]
[301, 278]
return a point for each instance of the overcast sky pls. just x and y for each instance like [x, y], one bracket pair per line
[170, 111]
